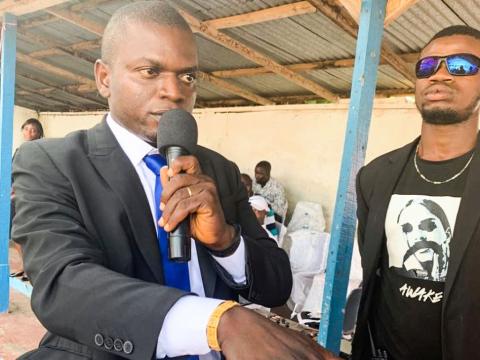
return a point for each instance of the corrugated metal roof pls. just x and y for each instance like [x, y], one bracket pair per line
[412, 30]
[302, 38]
[299, 39]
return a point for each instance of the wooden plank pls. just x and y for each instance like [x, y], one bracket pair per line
[78, 20]
[254, 17]
[396, 8]
[37, 21]
[255, 56]
[234, 89]
[316, 65]
[71, 90]
[62, 52]
[48, 19]
[24, 91]
[58, 48]
[54, 69]
[344, 221]
[7, 101]
[353, 8]
[334, 10]
[300, 99]
[85, 45]
[22, 7]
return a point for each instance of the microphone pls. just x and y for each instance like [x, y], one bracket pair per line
[177, 135]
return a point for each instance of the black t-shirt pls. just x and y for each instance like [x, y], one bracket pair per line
[405, 321]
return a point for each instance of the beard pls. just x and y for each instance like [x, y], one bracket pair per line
[448, 116]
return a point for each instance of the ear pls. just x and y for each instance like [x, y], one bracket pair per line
[102, 78]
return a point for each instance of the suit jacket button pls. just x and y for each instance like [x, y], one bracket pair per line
[108, 343]
[98, 339]
[127, 347]
[118, 345]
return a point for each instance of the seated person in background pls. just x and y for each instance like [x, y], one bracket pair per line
[270, 189]
[269, 221]
[247, 181]
[260, 208]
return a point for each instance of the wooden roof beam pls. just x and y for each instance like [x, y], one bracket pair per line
[299, 99]
[71, 90]
[254, 17]
[78, 20]
[54, 69]
[395, 8]
[47, 18]
[316, 65]
[213, 34]
[335, 11]
[22, 7]
[29, 92]
[57, 48]
[234, 89]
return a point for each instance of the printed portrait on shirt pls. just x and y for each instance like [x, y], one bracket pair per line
[419, 229]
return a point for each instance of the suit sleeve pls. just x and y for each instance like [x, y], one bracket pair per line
[74, 294]
[362, 211]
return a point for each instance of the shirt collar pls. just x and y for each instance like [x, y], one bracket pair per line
[134, 147]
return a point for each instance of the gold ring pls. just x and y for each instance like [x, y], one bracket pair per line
[189, 191]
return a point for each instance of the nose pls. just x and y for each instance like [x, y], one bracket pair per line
[171, 88]
[442, 73]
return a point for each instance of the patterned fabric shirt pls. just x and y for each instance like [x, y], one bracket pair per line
[274, 193]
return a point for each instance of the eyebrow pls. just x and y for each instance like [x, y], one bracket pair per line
[159, 65]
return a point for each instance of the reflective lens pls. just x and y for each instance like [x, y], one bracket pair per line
[462, 64]
[457, 64]
[427, 67]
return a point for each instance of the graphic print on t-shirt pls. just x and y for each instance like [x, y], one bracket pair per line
[418, 230]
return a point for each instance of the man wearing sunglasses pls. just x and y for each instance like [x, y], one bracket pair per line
[406, 311]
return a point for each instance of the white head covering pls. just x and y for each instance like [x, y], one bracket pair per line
[258, 203]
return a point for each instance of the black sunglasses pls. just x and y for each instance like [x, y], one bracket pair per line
[456, 64]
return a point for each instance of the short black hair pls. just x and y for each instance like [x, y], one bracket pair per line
[264, 164]
[157, 12]
[36, 123]
[246, 177]
[456, 30]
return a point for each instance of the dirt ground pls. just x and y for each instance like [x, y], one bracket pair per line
[20, 331]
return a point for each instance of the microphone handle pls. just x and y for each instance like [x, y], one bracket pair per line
[179, 243]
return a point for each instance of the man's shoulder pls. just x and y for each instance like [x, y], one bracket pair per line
[379, 162]
[73, 143]
[204, 153]
[275, 182]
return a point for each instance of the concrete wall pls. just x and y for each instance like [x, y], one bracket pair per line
[303, 142]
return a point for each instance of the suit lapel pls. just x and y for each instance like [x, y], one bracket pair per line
[467, 220]
[111, 162]
[209, 274]
[378, 204]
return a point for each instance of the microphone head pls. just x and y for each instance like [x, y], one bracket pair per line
[177, 127]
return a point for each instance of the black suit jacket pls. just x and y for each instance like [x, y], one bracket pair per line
[461, 304]
[91, 252]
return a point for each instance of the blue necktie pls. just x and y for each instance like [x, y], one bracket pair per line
[175, 274]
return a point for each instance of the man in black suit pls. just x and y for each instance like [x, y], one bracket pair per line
[418, 218]
[86, 219]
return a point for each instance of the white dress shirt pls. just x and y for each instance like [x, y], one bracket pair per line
[184, 328]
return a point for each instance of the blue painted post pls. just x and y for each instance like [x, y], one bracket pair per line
[7, 95]
[344, 220]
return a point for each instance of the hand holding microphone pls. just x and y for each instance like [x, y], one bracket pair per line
[190, 202]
